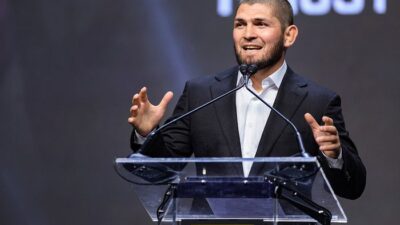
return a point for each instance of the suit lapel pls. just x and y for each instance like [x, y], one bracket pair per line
[290, 96]
[226, 110]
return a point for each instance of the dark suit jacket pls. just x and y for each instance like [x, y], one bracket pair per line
[213, 131]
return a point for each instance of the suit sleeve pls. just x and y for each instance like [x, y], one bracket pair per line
[348, 182]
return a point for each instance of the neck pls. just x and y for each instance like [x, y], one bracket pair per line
[258, 77]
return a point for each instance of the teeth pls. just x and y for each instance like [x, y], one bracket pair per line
[251, 48]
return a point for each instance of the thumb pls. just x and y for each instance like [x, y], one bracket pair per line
[166, 99]
[311, 121]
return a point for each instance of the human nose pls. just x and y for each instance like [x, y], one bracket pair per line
[249, 33]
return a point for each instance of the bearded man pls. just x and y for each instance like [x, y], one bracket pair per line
[240, 125]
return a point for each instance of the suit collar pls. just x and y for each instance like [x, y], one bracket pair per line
[227, 74]
[290, 96]
[273, 79]
[226, 109]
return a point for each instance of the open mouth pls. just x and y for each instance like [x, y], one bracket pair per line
[251, 47]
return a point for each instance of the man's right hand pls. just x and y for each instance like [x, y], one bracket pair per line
[145, 116]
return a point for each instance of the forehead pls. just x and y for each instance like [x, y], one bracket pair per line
[255, 11]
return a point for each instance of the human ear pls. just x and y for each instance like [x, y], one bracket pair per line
[290, 35]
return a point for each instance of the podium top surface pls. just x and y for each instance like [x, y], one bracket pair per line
[140, 158]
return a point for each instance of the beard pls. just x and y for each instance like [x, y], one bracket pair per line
[268, 59]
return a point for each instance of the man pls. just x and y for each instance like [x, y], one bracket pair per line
[240, 125]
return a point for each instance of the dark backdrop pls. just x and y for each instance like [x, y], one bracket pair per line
[68, 69]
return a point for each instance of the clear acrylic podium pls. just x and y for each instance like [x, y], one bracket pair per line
[284, 189]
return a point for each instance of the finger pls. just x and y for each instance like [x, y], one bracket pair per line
[143, 94]
[327, 120]
[135, 99]
[329, 129]
[166, 99]
[134, 110]
[311, 121]
[330, 147]
[133, 116]
[327, 139]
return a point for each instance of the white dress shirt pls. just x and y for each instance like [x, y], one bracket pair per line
[252, 114]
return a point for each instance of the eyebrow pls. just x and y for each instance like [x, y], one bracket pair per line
[259, 19]
[253, 19]
[239, 20]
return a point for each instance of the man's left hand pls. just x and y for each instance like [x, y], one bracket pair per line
[325, 135]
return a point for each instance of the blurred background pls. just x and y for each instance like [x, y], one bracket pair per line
[69, 68]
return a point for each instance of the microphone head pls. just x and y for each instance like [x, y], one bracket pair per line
[248, 70]
[252, 69]
[243, 69]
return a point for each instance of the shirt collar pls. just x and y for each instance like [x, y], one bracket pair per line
[276, 77]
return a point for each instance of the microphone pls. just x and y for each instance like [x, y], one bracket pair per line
[248, 71]
[153, 134]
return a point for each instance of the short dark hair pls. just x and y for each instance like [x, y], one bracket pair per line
[283, 10]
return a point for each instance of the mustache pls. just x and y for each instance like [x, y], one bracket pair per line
[268, 59]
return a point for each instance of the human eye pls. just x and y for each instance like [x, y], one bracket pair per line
[239, 24]
[261, 23]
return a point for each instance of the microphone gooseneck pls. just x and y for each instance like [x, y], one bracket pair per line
[153, 134]
[248, 71]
